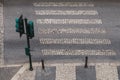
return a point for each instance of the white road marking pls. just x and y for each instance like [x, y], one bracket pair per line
[66, 12]
[13, 65]
[69, 21]
[27, 75]
[60, 4]
[1, 36]
[72, 30]
[65, 72]
[106, 71]
[74, 41]
[77, 52]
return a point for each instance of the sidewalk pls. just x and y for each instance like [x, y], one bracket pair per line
[69, 71]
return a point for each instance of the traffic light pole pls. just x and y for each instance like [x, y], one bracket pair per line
[28, 45]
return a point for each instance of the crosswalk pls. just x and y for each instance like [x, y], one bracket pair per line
[1, 34]
[67, 71]
[61, 10]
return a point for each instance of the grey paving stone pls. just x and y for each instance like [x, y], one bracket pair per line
[7, 73]
[118, 72]
[85, 73]
[48, 74]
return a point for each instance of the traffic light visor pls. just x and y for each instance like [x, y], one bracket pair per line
[31, 23]
[17, 20]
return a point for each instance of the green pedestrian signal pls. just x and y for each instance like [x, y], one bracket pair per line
[20, 25]
[27, 51]
[31, 29]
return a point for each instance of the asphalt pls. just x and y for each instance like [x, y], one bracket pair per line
[14, 45]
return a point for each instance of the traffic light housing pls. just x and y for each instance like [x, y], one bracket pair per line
[30, 29]
[20, 25]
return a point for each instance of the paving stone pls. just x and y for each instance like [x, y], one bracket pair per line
[6, 73]
[65, 72]
[27, 75]
[48, 74]
[106, 71]
[118, 68]
[85, 73]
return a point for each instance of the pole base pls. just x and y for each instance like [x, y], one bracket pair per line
[31, 69]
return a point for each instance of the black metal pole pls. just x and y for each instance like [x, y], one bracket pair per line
[28, 45]
[30, 61]
[43, 66]
[86, 62]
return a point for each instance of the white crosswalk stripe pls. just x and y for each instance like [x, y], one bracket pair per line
[66, 12]
[77, 52]
[60, 4]
[74, 41]
[69, 21]
[72, 30]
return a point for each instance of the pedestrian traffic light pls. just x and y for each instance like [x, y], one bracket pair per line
[27, 51]
[31, 29]
[20, 25]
